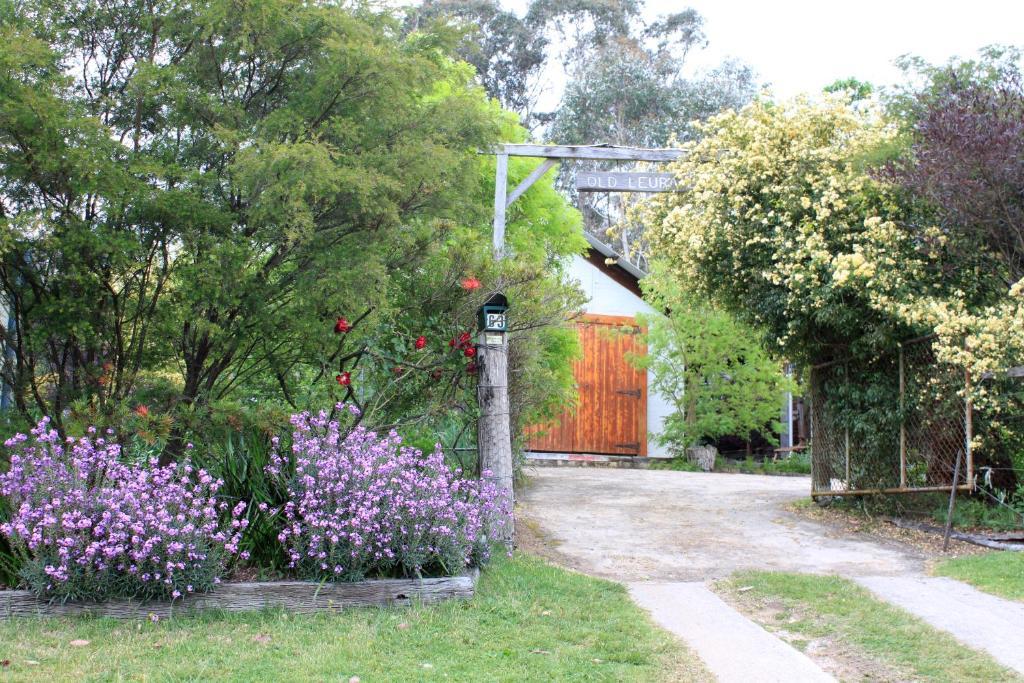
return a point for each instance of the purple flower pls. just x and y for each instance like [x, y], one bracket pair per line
[93, 526]
[362, 504]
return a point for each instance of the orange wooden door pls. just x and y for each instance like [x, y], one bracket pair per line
[611, 414]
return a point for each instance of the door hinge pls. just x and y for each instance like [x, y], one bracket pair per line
[635, 393]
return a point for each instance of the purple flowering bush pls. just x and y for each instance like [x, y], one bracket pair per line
[362, 505]
[92, 527]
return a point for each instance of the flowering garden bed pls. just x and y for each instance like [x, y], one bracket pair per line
[361, 519]
[296, 596]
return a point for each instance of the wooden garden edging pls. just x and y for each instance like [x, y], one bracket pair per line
[301, 597]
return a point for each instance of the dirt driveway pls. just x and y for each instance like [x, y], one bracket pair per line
[638, 525]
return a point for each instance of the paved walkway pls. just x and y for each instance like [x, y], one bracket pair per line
[977, 619]
[733, 647]
[664, 533]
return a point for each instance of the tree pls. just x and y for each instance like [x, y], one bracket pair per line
[966, 158]
[711, 367]
[631, 90]
[785, 228]
[506, 51]
[190, 199]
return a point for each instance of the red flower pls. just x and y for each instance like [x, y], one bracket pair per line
[465, 338]
[469, 352]
[342, 326]
[344, 379]
[421, 342]
[471, 367]
[142, 411]
[469, 283]
[452, 343]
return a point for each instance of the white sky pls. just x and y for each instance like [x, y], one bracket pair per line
[800, 46]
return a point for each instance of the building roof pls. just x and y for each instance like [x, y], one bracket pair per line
[620, 269]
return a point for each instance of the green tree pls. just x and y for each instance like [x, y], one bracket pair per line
[710, 366]
[191, 195]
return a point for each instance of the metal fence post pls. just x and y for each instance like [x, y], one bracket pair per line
[968, 428]
[903, 421]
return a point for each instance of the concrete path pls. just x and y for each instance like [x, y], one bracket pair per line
[979, 620]
[734, 649]
[636, 525]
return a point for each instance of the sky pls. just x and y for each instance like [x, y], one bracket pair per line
[801, 46]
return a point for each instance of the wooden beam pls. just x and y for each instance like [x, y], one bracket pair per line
[295, 596]
[529, 180]
[500, 190]
[595, 152]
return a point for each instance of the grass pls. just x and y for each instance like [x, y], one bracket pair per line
[836, 609]
[528, 621]
[1000, 573]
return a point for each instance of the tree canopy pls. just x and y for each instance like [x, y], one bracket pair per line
[191, 195]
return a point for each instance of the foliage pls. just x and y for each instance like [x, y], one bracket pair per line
[93, 527]
[191, 199]
[631, 90]
[857, 89]
[982, 513]
[709, 366]
[791, 228]
[964, 160]
[837, 609]
[360, 505]
[506, 51]
[785, 229]
[527, 621]
[999, 573]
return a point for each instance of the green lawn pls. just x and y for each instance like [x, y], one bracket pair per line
[841, 614]
[529, 621]
[1000, 573]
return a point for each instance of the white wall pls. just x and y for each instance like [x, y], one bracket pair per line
[607, 297]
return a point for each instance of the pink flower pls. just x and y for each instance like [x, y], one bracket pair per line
[469, 283]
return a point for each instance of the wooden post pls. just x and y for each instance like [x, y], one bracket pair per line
[500, 204]
[494, 435]
[903, 422]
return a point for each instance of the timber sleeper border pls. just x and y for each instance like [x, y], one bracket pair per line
[300, 597]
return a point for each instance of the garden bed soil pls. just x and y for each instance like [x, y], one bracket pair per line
[295, 596]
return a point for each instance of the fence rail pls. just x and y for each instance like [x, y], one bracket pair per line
[897, 424]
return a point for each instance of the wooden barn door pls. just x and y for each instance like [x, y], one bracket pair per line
[611, 416]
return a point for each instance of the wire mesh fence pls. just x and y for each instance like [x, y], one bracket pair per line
[899, 423]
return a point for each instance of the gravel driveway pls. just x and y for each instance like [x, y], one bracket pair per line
[640, 525]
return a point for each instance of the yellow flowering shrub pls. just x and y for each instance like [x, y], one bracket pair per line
[785, 226]
[789, 226]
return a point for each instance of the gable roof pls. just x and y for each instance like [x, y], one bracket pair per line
[620, 269]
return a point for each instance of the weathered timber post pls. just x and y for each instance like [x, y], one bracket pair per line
[494, 434]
